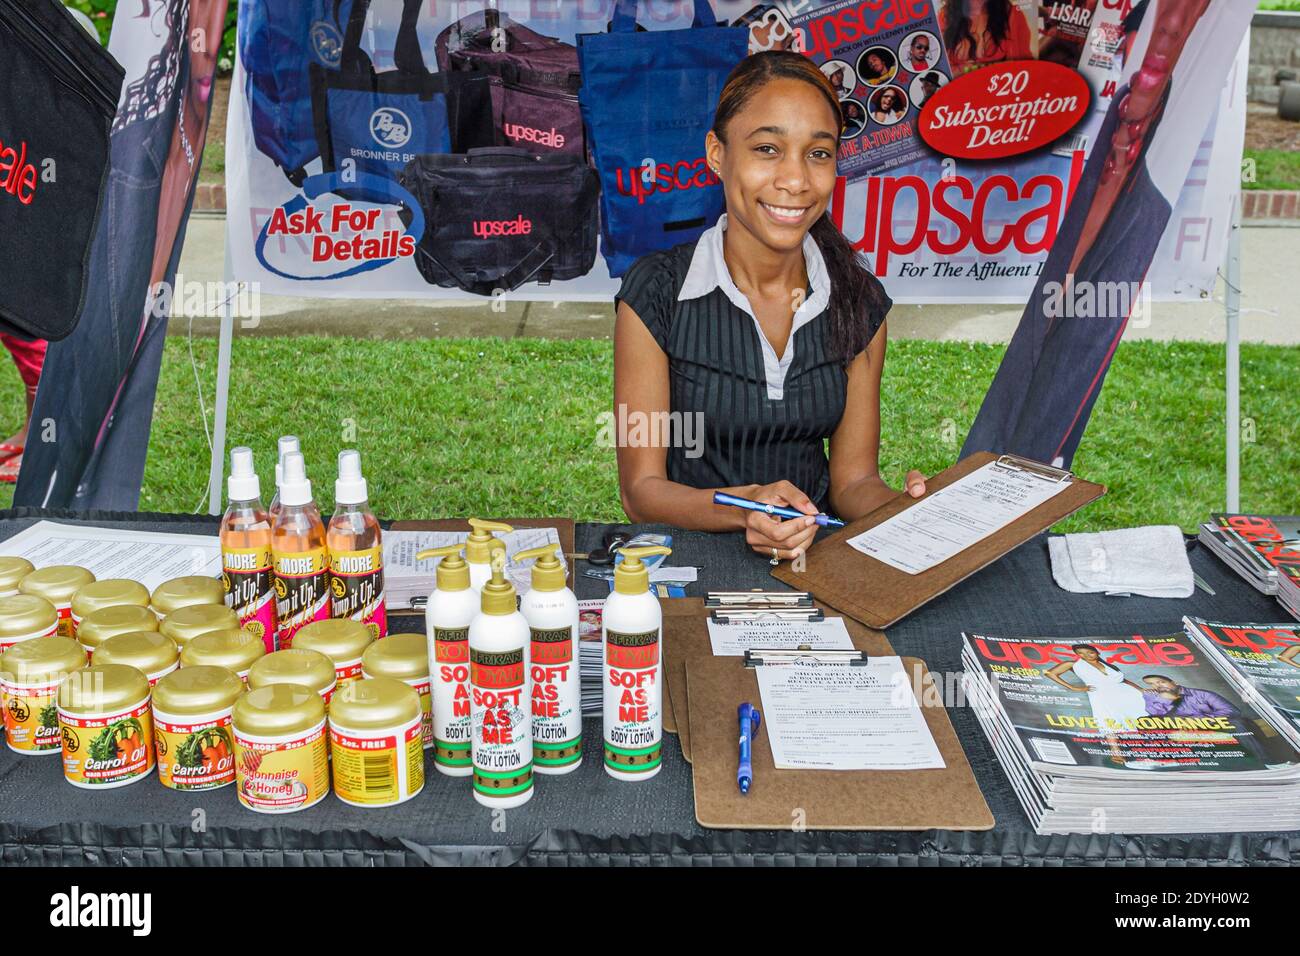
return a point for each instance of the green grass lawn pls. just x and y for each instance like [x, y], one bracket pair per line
[1274, 168]
[509, 427]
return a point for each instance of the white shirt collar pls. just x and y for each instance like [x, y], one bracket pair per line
[708, 271]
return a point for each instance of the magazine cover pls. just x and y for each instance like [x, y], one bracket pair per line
[1268, 541]
[1136, 703]
[884, 60]
[1063, 30]
[1266, 655]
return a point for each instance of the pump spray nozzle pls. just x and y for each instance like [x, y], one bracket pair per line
[498, 595]
[242, 485]
[453, 572]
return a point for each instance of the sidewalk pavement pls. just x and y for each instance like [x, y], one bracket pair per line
[1270, 306]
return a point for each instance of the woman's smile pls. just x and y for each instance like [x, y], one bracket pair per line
[785, 215]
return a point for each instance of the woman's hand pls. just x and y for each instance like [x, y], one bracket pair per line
[915, 483]
[790, 537]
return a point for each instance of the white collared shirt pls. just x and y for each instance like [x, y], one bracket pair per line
[708, 271]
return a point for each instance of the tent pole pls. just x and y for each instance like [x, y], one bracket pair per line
[216, 470]
[1232, 312]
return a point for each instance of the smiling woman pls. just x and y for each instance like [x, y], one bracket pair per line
[768, 331]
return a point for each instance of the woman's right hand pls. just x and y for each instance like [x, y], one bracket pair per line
[791, 536]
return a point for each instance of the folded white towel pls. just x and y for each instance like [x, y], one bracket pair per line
[1150, 561]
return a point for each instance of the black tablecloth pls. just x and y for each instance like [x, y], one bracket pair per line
[587, 817]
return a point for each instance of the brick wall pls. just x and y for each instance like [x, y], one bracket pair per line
[1274, 45]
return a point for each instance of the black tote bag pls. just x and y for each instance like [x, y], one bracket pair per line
[58, 97]
[497, 218]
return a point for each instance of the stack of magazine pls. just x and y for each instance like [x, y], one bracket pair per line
[1255, 546]
[1288, 589]
[1135, 734]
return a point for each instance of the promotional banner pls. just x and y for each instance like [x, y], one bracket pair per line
[90, 425]
[360, 90]
[1051, 375]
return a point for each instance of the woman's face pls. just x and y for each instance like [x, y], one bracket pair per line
[1089, 654]
[888, 101]
[778, 165]
[207, 25]
[876, 63]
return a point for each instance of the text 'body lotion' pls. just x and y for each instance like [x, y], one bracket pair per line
[633, 670]
[451, 609]
[551, 610]
[301, 560]
[502, 736]
[246, 551]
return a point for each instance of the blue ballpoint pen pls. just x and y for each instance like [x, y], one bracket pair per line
[750, 718]
[722, 498]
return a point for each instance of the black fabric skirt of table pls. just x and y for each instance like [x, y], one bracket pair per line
[588, 818]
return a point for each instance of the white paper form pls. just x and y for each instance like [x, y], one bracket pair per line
[845, 717]
[956, 517]
[732, 640]
[145, 556]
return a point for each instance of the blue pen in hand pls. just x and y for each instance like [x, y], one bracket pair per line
[780, 511]
[750, 718]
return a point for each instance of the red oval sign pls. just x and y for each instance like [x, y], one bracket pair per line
[1004, 110]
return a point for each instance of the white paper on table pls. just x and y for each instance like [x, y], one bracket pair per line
[683, 575]
[732, 640]
[146, 556]
[845, 717]
[401, 547]
[956, 517]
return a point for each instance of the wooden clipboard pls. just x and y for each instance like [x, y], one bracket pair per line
[946, 799]
[879, 595]
[564, 527]
[686, 638]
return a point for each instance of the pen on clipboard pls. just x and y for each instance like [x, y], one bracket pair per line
[735, 501]
[750, 718]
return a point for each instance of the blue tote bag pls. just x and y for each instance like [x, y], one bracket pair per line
[372, 122]
[278, 42]
[648, 99]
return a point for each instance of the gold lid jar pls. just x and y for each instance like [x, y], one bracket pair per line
[106, 726]
[192, 727]
[171, 596]
[342, 640]
[24, 617]
[111, 592]
[153, 653]
[57, 584]
[376, 719]
[234, 649]
[195, 691]
[297, 666]
[403, 656]
[98, 626]
[186, 623]
[12, 570]
[30, 675]
[281, 748]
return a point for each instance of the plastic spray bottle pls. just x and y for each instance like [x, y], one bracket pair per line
[502, 741]
[286, 445]
[551, 610]
[631, 641]
[299, 552]
[478, 550]
[246, 551]
[356, 551]
[447, 617]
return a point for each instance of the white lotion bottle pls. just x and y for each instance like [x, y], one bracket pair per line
[447, 617]
[478, 550]
[632, 670]
[551, 610]
[501, 741]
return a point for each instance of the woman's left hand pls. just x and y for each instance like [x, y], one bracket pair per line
[915, 483]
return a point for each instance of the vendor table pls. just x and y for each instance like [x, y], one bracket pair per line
[587, 817]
